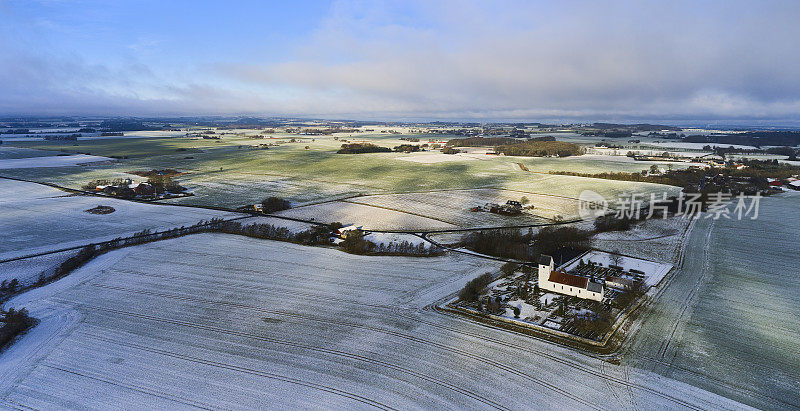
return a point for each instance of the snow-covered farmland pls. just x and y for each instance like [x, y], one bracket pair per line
[293, 226]
[453, 206]
[367, 216]
[654, 239]
[7, 152]
[729, 318]
[219, 321]
[50, 161]
[435, 157]
[28, 270]
[37, 218]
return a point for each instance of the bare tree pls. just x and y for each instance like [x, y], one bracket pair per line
[615, 259]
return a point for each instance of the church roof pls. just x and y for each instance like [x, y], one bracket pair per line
[568, 279]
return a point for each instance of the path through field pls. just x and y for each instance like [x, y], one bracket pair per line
[220, 321]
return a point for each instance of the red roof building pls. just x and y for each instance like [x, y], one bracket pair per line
[568, 279]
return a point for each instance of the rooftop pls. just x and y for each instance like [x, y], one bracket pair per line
[568, 279]
[545, 259]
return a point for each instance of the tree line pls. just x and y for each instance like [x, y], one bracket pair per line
[536, 148]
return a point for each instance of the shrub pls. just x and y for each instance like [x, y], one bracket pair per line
[273, 204]
[472, 290]
[354, 243]
[612, 223]
[13, 323]
[508, 269]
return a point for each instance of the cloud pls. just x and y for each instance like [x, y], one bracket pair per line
[484, 60]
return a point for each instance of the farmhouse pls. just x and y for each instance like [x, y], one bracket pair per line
[569, 284]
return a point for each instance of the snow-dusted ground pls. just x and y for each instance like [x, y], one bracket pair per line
[7, 152]
[435, 157]
[729, 318]
[453, 206]
[369, 217]
[27, 270]
[50, 161]
[37, 218]
[387, 238]
[221, 321]
[696, 146]
[655, 239]
[654, 271]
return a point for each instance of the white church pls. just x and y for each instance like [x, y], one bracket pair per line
[560, 282]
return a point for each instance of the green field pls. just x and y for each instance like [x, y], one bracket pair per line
[231, 171]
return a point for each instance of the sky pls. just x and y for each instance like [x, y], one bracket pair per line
[411, 60]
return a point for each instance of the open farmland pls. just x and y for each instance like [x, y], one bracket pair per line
[375, 218]
[7, 152]
[454, 206]
[231, 171]
[38, 218]
[50, 161]
[654, 239]
[219, 321]
[729, 320]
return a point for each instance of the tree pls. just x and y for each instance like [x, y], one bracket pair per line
[472, 290]
[524, 200]
[12, 285]
[272, 204]
[508, 269]
[354, 243]
[615, 258]
[517, 311]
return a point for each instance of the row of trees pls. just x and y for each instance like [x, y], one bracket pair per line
[512, 243]
[360, 148]
[355, 243]
[316, 235]
[538, 148]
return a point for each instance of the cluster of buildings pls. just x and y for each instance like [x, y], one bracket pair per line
[511, 207]
[127, 189]
[598, 275]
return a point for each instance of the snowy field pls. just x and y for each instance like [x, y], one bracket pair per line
[654, 239]
[293, 226]
[219, 321]
[7, 152]
[369, 217]
[435, 157]
[27, 270]
[729, 320]
[50, 161]
[453, 206]
[37, 218]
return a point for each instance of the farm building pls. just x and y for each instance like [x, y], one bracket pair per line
[561, 282]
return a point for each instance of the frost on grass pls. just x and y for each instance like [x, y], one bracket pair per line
[37, 218]
[50, 161]
[220, 321]
[368, 217]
